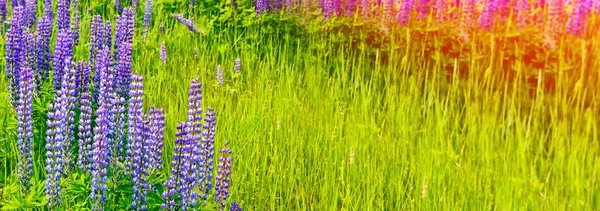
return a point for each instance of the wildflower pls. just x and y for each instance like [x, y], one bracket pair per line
[177, 172]
[44, 32]
[30, 12]
[147, 18]
[25, 126]
[261, 7]
[3, 11]
[208, 145]
[364, 8]
[58, 138]
[163, 52]
[219, 75]
[123, 69]
[155, 124]
[15, 53]
[137, 154]
[63, 14]
[194, 152]
[63, 50]
[223, 172]
[85, 131]
[235, 207]
[75, 22]
[188, 23]
[238, 65]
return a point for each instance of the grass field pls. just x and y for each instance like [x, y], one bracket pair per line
[320, 122]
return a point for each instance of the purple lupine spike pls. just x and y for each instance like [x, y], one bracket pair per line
[163, 52]
[223, 171]
[136, 145]
[25, 127]
[237, 65]
[350, 7]
[261, 7]
[219, 75]
[85, 126]
[147, 18]
[63, 50]
[102, 132]
[188, 23]
[440, 11]
[118, 6]
[3, 11]
[484, 18]
[155, 137]
[209, 149]
[328, 9]
[467, 14]
[422, 9]
[96, 43]
[522, 8]
[124, 30]
[75, 24]
[123, 69]
[63, 17]
[118, 135]
[15, 53]
[43, 54]
[107, 36]
[70, 86]
[235, 207]
[48, 10]
[192, 3]
[364, 8]
[175, 180]
[193, 149]
[31, 13]
[58, 138]
[276, 6]
[30, 53]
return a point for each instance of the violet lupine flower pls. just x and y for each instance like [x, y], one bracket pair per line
[350, 7]
[31, 13]
[155, 137]
[522, 9]
[63, 50]
[102, 132]
[328, 9]
[440, 11]
[63, 14]
[123, 69]
[58, 137]
[48, 10]
[69, 84]
[261, 7]
[163, 52]
[3, 11]
[289, 5]
[138, 149]
[422, 9]
[193, 148]
[223, 172]
[596, 6]
[135, 4]
[25, 127]
[117, 129]
[75, 22]
[15, 53]
[467, 14]
[238, 65]
[178, 174]
[147, 18]
[118, 6]
[124, 29]
[43, 54]
[188, 23]
[30, 53]
[107, 37]
[191, 3]
[85, 131]
[276, 5]
[208, 145]
[485, 17]
[235, 207]
[364, 8]
[219, 75]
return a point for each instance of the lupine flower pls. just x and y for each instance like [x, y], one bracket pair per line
[364, 8]
[30, 53]
[188, 23]
[44, 32]
[135, 4]
[350, 7]
[63, 14]
[118, 6]
[3, 10]
[192, 148]
[137, 153]
[15, 53]
[261, 7]
[48, 10]
[177, 171]
[522, 8]
[328, 9]
[289, 5]
[123, 69]
[162, 28]
[117, 128]
[63, 50]
[191, 3]
[208, 145]
[85, 130]
[25, 127]
[147, 18]
[155, 137]
[440, 10]
[235, 207]
[163, 52]
[107, 37]
[31, 13]
[69, 81]
[238, 65]
[277, 5]
[75, 25]
[58, 137]
[219, 75]
[485, 17]
[223, 172]
[96, 43]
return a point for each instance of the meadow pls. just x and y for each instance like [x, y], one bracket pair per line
[335, 106]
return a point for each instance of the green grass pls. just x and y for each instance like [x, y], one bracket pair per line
[318, 125]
